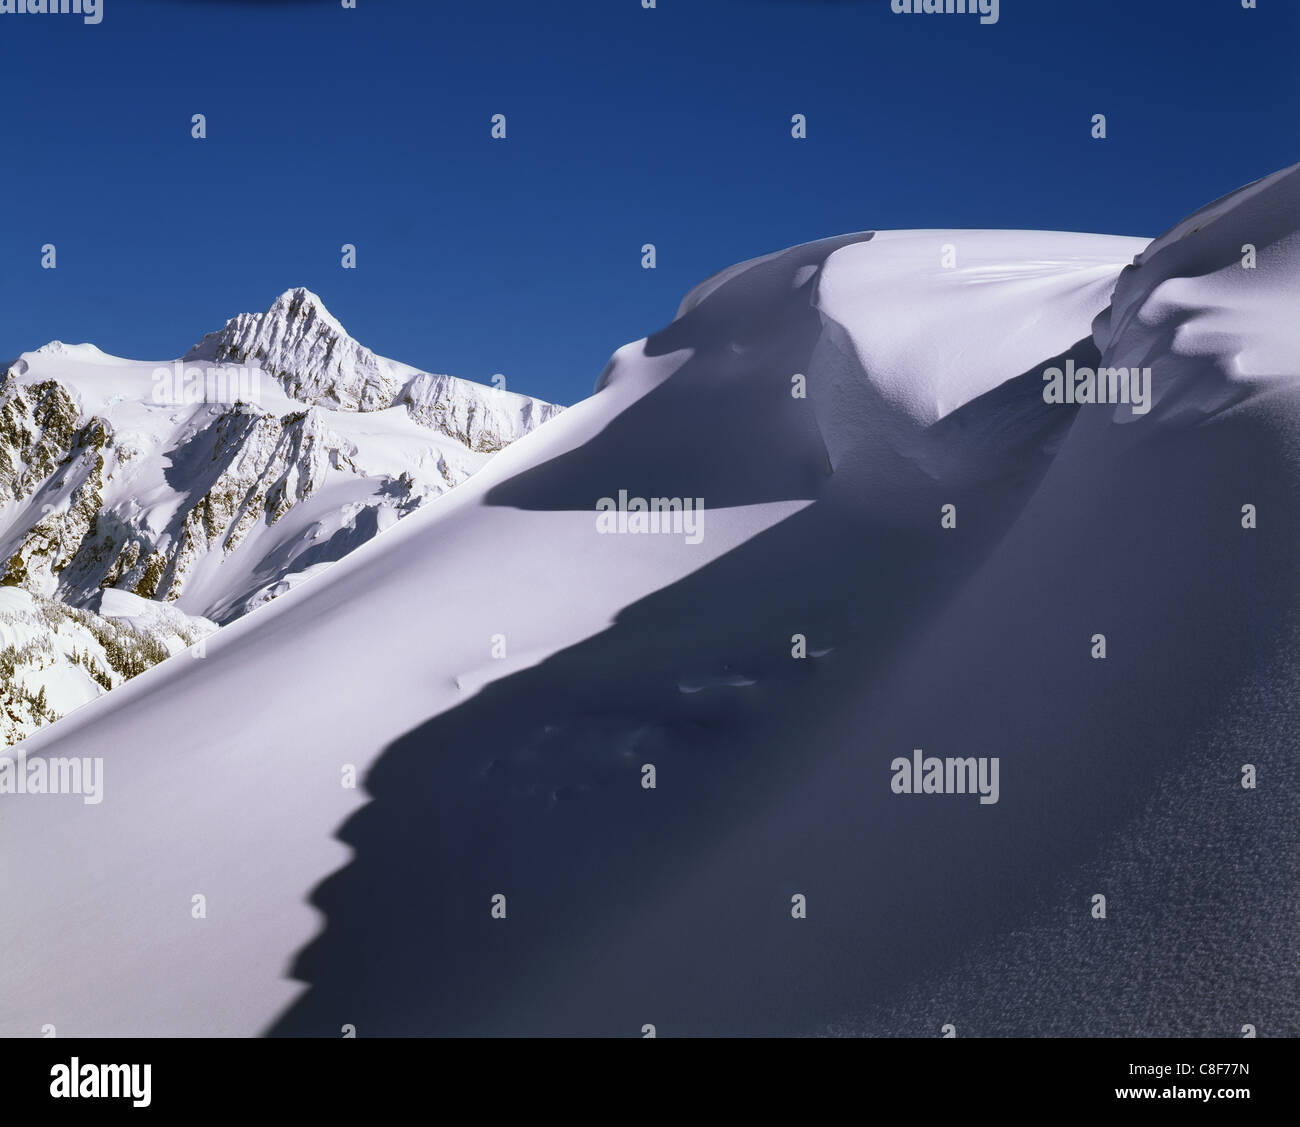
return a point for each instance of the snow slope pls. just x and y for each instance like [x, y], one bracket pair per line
[498, 674]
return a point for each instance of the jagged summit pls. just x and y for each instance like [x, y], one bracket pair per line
[299, 342]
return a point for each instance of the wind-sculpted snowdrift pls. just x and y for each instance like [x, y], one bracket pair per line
[922, 553]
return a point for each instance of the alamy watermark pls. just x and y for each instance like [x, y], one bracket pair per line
[82, 775]
[188, 383]
[91, 11]
[987, 10]
[76, 1080]
[927, 774]
[1103, 386]
[682, 516]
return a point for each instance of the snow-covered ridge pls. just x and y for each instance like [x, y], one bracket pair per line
[829, 622]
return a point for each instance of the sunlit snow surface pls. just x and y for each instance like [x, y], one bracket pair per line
[498, 673]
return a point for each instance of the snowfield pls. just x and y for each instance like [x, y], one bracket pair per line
[919, 553]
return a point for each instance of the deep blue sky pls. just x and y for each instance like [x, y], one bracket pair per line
[627, 126]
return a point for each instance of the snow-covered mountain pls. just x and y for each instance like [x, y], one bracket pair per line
[219, 481]
[613, 778]
[314, 360]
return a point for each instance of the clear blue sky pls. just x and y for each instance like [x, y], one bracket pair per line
[626, 126]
